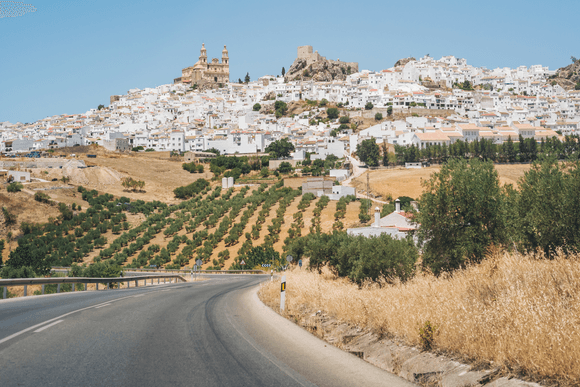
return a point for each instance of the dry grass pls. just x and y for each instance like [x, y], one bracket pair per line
[407, 182]
[521, 312]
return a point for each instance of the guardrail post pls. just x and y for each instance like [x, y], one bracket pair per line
[108, 285]
[73, 287]
[4, 292]
[25, 289]
[158, 279]
[97, 285]
[58, 288]
[136, 283]
[42, 292]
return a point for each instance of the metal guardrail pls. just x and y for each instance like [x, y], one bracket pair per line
[151, 270]
[83, 280]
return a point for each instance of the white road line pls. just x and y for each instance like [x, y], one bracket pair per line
[54, 319]
[100, 306]
[48, 326]
[138, 295]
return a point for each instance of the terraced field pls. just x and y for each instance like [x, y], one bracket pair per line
[220, 227]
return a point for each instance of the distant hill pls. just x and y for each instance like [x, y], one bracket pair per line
[568, 77]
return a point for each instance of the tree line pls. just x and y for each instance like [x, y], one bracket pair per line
[510, 151]
[465, 212]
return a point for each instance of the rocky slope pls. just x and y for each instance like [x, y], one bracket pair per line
[568, 77]
[321, 71]
[404, 61]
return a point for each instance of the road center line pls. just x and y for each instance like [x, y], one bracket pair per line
[54, 319]
[48, 326]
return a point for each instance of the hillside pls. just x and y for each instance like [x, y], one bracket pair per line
[217, 226]
[568, 77]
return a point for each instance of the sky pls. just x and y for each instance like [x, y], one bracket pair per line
[70, 56]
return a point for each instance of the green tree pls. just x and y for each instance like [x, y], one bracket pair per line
[390, 111]
[283, 71]
[100, 107]
[378, 116]
[368, 152]
[9, 217]
[1, 249]
[25, 256]
[285, 167]
[344, 119]
[549, 207]
[247, 78]
[281, 108]
[323, 102]
[369, 106]
[332, 113]
[257, 107]
[463, 212]
[265, 172]
[280, 148]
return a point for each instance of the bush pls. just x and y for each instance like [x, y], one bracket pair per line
[361, 258]
[378, 116]
[285, 167]
[42, 197]
[14, 187]
[190, 190]
[332, 113]
[257, 107]
[9, 217]
[344, 120]
[369, 106]
[323, 102]
[265, 172]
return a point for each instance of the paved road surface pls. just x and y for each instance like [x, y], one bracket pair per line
[210, 333]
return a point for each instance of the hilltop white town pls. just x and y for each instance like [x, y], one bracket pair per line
[421, 102]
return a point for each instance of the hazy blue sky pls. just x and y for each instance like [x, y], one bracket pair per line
[70, 56]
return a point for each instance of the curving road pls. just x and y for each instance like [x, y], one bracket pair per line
[210, 333]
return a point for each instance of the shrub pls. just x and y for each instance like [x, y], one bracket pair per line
[190, 190]
[332, 113]
[257, 107]
[369, 106]
[344, 120]
[41, 197]
[14, 187]
[378, 116]
[9, 217]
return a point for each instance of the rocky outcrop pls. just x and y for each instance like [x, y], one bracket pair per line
[404, 61]
[320, 71]
[568, 77]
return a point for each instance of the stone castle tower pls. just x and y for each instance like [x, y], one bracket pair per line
[207, 73]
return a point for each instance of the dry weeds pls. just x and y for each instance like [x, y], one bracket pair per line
[519, 311]
[407, 182]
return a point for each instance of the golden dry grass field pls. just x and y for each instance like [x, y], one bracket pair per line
[407, 182]
[520, 311]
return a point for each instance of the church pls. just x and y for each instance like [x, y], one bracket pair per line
[206, 73]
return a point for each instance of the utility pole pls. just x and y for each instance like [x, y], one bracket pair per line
[368, 194]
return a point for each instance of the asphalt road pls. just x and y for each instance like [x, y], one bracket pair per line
[210, 333]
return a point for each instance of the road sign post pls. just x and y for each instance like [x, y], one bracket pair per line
[283, 294]
[199, 262]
